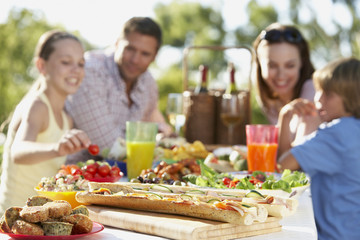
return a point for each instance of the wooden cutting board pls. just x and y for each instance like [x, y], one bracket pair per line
[176, 226]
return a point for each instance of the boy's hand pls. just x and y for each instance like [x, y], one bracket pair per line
[300, 107]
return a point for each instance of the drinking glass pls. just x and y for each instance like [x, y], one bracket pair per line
[262, 143]
[140, 145]
[232, 112]
[175, 111]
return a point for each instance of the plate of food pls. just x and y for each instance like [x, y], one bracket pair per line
[288, 184]
[43, 218]
[228, 159]
[97, 227]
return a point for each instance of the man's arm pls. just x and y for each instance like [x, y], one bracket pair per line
[157, 116]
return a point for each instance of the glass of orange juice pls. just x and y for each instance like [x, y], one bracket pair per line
[262, 144]
[140, 145]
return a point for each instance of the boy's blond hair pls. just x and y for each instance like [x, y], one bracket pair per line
[343, 78]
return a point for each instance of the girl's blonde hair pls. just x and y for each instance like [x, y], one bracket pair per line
[343, 78]
[45, 47]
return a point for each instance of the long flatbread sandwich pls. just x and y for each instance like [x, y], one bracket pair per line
[187, 201]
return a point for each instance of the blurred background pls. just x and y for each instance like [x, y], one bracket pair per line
[330, 26]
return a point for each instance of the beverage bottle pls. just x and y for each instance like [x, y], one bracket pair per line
[202, 87]
[231, 88]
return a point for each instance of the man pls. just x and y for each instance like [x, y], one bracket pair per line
[118, 86]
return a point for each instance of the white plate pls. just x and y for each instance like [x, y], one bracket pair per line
[295, 193]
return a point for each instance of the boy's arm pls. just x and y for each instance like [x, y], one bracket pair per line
[288, 161]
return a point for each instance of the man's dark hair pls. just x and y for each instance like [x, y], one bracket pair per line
[143, 25]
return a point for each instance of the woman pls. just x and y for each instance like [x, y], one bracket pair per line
[283, 69]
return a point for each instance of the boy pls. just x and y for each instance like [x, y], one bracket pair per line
[331, 155]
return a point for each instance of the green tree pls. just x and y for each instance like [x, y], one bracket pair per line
[18, 38]
[191, 24]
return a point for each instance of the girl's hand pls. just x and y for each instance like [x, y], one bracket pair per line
[72, 141]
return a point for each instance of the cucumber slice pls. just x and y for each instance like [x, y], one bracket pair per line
[156, 195]
[245, 205]
[186, 197]
[254, 194]
[213, 200]
[195, 191]
[161, 188]
[229, 195]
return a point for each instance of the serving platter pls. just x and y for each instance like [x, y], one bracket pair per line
[177, 226]
[97, 227]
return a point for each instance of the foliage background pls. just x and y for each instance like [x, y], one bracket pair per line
[184, 24]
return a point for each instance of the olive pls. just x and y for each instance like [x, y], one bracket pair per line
[170, 181]
[146, 180]
[140, 178]
[135, 180]
[176, 183]
[150, 175]
[156, 180]
[165, 176]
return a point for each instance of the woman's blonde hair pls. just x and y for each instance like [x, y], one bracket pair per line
[342, 77]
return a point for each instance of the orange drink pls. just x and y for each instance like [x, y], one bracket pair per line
[262, 157]
[262, 146]
[139, 156]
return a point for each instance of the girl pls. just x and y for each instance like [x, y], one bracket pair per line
[40, 134]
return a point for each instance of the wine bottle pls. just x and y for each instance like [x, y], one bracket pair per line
[231, 88]
[202, 86]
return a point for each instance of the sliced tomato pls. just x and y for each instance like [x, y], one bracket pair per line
[76, 171]
[226, 181]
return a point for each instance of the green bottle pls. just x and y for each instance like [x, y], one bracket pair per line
[231, 88]
[202, 87]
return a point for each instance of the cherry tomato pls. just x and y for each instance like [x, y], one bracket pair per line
[97, 175]
[93, 149]
[92, 168]
[103, 170]
[88, 175]
[226, 181]
[115, 171]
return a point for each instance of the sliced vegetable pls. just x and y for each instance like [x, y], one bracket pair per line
[254, 194]
[195, 191]
[161, 188]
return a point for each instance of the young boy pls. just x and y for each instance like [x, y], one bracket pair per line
[331, 155]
